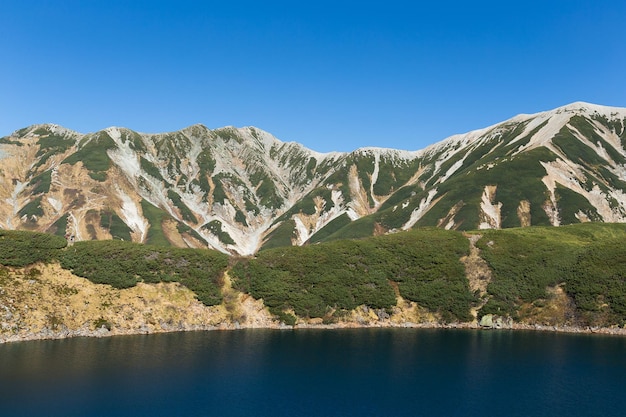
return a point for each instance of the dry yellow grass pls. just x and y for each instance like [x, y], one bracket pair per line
[47, 301]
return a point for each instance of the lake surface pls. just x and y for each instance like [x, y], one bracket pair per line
[355, 372]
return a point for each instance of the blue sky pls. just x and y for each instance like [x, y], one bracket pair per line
[332, 75]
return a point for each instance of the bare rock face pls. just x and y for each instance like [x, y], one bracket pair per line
[240, 189]
[490, 321]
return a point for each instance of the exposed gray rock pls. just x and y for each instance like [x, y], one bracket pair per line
[487, 321]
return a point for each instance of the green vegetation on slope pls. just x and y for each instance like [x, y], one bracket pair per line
[92, 153]
[59, 227]
[360, 228]
[330, 228]
[31, 211]
[316, 280]
[327, 280]
[426, 264]
[41, 183]
[155, 217]
[50, 144]
[115, 225]
[518, 179]
[266, 190]
[150, 169]
[526, 261]
[184, 210]
[215, 227]
[19, 249]
[123, 264]
[281, 236]
[393, 174]
[598, 283]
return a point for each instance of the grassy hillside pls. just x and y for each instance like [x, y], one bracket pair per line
[327, 279]
[586, 263]
[120, 264]
[24, 248]
[584, 259]
[123, 264]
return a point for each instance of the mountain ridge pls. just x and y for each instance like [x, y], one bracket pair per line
[239, 190]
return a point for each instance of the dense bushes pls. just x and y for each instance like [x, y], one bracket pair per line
[586, 258]
[120, 264]
[123, 264]
[524, 263]
[598, 283]
[326, 280]
[18, 248]
[315, 280]
[426, 264]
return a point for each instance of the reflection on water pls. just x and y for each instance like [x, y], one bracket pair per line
[357, 372]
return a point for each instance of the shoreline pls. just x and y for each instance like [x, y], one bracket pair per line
[47, 334]
[58, 305]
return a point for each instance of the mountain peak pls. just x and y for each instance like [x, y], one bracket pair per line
[241, 189]
[581, 107]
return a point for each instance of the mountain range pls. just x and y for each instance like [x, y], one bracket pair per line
[240, 190]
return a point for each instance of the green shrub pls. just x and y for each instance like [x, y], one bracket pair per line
[184, 210]
[526, 261]
[598, 282]
[123, 264]
[150, 169]
[92, 153]
[155, 217]
[344, 274]
[115, 225]
[215, 227]
[19, 248]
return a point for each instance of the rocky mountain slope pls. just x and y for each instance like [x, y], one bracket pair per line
[238, 190]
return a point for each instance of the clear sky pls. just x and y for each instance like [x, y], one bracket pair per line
[332, 75]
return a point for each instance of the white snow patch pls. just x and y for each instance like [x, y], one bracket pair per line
[301, 230]
[449, 225]
[56, 204]
[458, 164]
[582, 217]
[337, 198]
[115, 134]
[570, 176]
[13, 201]
[124, 157]
[247, 239]
[131, 215]
[544, 136]
[590, 109]
[72, 224]
[388, 152]
[419, 212]
[374, 179]
[352, 214]
[490, 211]
[559, 117]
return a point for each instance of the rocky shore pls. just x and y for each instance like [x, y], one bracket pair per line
[88, 331]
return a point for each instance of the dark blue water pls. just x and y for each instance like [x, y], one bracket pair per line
[365, 372]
